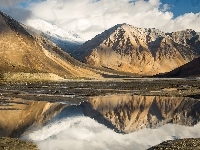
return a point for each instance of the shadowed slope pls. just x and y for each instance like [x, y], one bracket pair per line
[191, 69]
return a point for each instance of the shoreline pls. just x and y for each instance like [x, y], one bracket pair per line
[8, 143]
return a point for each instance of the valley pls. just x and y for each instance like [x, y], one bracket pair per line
[126, 87]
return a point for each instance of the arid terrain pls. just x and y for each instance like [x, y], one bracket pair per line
[27, 56]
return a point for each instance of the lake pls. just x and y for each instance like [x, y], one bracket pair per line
[119, 121]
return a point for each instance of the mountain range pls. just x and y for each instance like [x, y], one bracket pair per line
[140, 50]
[42, 47]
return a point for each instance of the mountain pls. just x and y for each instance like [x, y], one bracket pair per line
[23, 52]
[68, 41]
[191, 69]
[140, 50]
[127, 113]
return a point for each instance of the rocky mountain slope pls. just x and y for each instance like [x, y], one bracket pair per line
[25, 53]
[140, 50]
[129, 113]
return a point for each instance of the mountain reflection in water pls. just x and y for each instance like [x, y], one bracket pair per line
[127, 113]
[98, 122]
[17, 115]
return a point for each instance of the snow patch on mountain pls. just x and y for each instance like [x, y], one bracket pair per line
[67, 40]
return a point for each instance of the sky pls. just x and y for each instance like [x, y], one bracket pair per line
[91, 17]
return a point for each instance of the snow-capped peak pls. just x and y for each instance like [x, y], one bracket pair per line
[67, 40]
[53, 30]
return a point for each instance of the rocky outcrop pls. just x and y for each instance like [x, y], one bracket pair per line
[182, 144]
[140, 50]
[27, 53]
[128, 113]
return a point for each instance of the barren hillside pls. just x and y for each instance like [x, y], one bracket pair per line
[140, 50]
[25, 53]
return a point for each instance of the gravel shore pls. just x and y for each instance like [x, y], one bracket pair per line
[182, 144]
[15, 144]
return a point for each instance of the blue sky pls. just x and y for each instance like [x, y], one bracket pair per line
[180, 7]
[91, 17]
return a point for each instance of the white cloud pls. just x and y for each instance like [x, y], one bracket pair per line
[91, 17]
[166, 7]
[189, 20]
[81, 132]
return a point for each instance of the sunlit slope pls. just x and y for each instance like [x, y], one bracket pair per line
[142, 51]
[22, 52]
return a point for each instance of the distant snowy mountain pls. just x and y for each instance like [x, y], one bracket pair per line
[67, 40]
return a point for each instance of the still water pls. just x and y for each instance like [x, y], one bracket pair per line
[117, 121]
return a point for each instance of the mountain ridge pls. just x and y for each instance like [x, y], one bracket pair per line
[122, 48]
[145, 51]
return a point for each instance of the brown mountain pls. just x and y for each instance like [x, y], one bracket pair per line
[21, 52]
[140, 50]
[128, 113]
